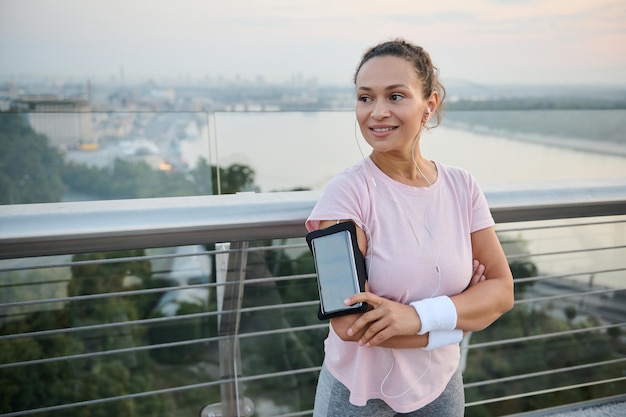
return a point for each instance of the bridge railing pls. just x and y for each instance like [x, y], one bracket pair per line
[206, 305]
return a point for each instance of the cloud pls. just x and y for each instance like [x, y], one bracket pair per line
[483, 40]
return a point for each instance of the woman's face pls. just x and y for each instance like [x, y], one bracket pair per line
[390, 106]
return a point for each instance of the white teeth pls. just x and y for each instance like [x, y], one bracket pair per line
[382, 129]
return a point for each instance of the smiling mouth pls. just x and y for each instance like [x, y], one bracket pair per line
[381, 129]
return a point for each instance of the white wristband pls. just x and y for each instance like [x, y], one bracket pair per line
[440, 338]
[437, 313]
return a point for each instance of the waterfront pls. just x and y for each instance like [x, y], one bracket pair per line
[289, 150]
[303, 150]
[208, 369]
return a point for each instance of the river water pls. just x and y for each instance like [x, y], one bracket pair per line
[305, 150]
[291, 150]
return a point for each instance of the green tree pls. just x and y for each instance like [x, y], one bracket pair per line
[128, 179]
[530, 356]
[80, 379]
[235, 178]
[570, 313]
[29, 166]
[107, 376]
[203, 177]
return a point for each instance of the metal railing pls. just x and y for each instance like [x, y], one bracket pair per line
[77, 276]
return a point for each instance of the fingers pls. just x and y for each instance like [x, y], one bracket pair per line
[386, 319]
[366, 318]
[379, 331]
[478, 273]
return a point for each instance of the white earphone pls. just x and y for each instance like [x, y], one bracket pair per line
[427, 115]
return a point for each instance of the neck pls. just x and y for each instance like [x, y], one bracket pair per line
[416, 172]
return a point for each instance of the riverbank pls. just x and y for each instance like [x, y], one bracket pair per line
[602, 132]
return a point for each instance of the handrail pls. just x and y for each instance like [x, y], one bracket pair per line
[75, 227]
[66, 228]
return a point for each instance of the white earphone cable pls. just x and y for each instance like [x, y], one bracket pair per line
[435, 259]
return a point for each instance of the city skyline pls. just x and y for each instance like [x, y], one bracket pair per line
[485, 41]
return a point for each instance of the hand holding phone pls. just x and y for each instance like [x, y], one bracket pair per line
[340, 268]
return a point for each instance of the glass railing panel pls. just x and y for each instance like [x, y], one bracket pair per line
[59, 155]
[90, 154]
[266, 349]
[161, 342]
[139, 330]
[99, 326]
[294, 150]
[289, 150]
[563, 341]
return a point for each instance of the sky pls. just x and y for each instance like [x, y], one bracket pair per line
[480, 41]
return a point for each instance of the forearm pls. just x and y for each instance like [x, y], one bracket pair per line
[395, 342]
[406, 342]
[472, 310]
[490, 296]
[482, 304]
[342, 324]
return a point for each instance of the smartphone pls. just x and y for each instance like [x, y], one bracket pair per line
[340, 269]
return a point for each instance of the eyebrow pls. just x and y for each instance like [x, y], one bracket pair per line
[391, 87]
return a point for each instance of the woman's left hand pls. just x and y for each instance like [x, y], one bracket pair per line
[384, 320]
[478, 273]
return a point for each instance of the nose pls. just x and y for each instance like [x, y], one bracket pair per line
[380, 110]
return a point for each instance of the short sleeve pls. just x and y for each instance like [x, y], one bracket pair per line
[481, 214]
[340, 199]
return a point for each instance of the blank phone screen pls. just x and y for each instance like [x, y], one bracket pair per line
[336, 270]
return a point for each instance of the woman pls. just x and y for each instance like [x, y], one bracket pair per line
[421, 226]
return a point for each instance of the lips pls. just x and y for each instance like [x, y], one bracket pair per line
[379, 130]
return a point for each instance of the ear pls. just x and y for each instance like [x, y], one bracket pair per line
[433, 101]
[431, 105]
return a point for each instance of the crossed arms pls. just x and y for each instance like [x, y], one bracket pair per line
[395, 325]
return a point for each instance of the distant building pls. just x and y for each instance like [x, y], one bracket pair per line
[66, 122]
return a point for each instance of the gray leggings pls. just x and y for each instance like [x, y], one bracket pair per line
[331, 400]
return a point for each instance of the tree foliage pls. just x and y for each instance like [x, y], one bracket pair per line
[541, 355]
[29, 166]
[89, 378]
[32, 171]
[127, 179]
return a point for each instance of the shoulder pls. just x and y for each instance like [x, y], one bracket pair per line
[463, 188]
[456, 175]
[463, 184]
[344, 197]
[353, 179]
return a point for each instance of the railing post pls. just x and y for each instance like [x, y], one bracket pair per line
[230, 358]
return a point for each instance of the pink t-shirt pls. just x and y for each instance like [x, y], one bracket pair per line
[419, 246]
